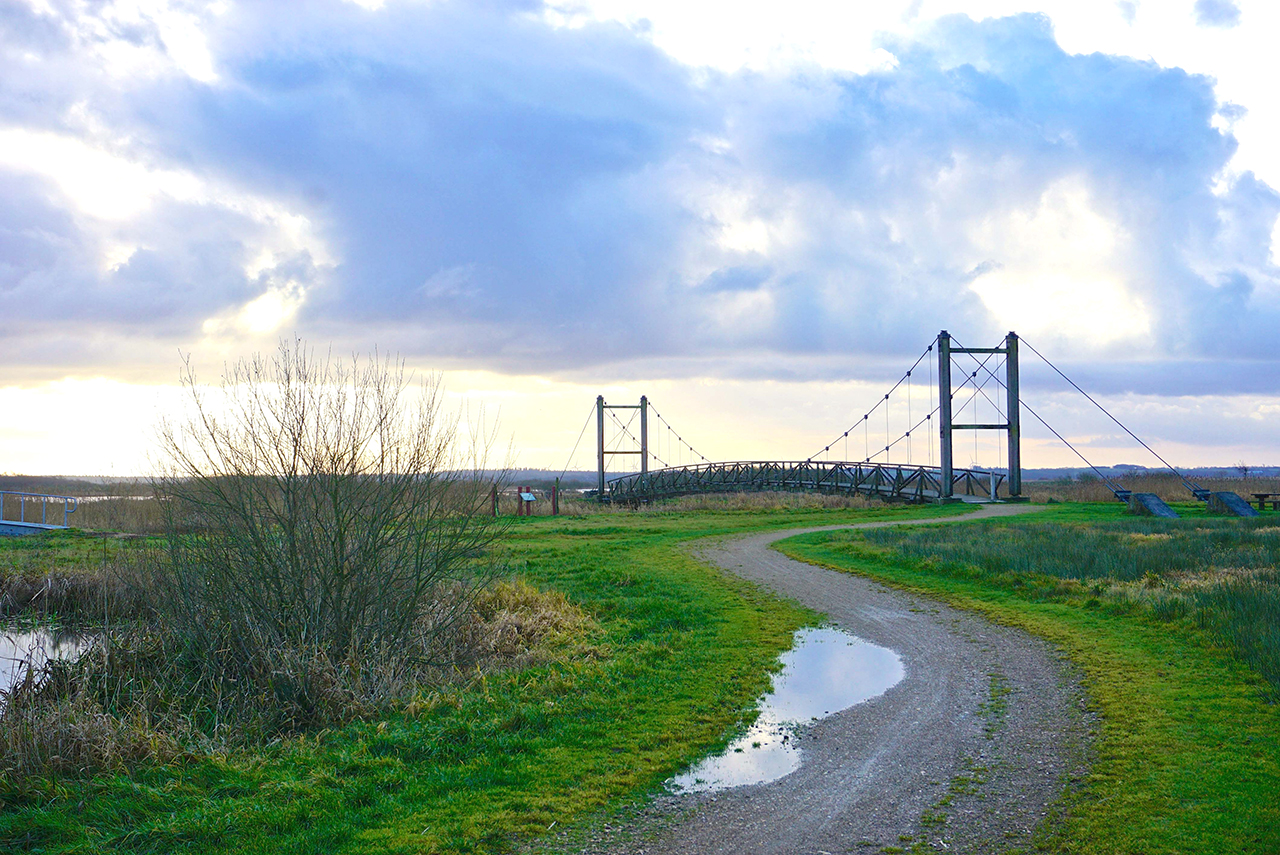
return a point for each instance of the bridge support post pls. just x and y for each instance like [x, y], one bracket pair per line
[600, 445]
[644, 435]
[1015, 429]
[944, 413]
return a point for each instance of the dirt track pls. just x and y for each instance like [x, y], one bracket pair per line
[932, 760]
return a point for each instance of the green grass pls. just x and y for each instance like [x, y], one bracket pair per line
[1187, 758]
[1223, 575]
[679, 655]
[63, 550]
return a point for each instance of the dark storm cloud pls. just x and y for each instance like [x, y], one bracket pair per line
[499, 192]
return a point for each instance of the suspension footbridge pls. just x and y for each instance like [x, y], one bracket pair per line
[876, 474]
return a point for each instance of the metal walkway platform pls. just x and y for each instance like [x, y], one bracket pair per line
[23, 526]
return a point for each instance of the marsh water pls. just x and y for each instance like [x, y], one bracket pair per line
[825, 671]
[30, 649]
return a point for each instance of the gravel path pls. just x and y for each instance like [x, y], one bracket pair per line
[965, 754]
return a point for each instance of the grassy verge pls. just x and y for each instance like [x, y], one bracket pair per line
[675, 655]
[64, 575]
[1187, 754]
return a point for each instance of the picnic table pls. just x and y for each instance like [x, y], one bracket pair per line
[1263, 498]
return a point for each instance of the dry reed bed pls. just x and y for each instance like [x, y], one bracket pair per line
[1165, 485]
[71, 595]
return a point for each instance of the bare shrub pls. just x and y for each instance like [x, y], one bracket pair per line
[316, 511]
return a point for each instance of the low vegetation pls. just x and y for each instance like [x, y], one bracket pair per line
[612, 660]
[131, 702]
[600, 658]
[1221, 575]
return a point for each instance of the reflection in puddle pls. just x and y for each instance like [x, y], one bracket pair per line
[30, 650]
[824, 672]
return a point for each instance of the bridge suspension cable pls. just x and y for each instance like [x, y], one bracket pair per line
[934, 411]
[1194, 488]
[912, 428]
[1111, 485]
[569, 461]
[867, 417]
[693, 452]
[626, 430]
[623, 431]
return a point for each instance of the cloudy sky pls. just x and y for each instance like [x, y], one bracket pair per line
[759, 214]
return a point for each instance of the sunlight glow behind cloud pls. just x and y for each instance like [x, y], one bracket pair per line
[1057, 270]
[99, 183]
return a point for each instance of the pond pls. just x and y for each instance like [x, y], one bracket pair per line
[825, 671]
[24, 650]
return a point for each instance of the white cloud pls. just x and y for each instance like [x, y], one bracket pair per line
[1058, 270]
[113, 192]
[98, 182]
[755, 34]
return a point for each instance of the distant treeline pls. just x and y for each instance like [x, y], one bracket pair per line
[72, 485]
[543, 479]
[75, 485]
[1124, 470]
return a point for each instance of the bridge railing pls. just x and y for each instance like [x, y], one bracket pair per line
[900, 481]
[69, 505]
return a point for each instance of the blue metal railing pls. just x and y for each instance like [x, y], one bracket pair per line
[69, 505]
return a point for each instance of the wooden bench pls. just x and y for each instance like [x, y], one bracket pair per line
[1263, 498]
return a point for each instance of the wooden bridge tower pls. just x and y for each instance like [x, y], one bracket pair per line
[601, 452]
[1010, 425]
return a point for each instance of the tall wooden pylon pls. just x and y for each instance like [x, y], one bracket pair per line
[601, 453]
[1011, 426]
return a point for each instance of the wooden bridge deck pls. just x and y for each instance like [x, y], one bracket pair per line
[894, 481]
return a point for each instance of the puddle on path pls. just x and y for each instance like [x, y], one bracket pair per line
[31, 649]
[825, 671]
